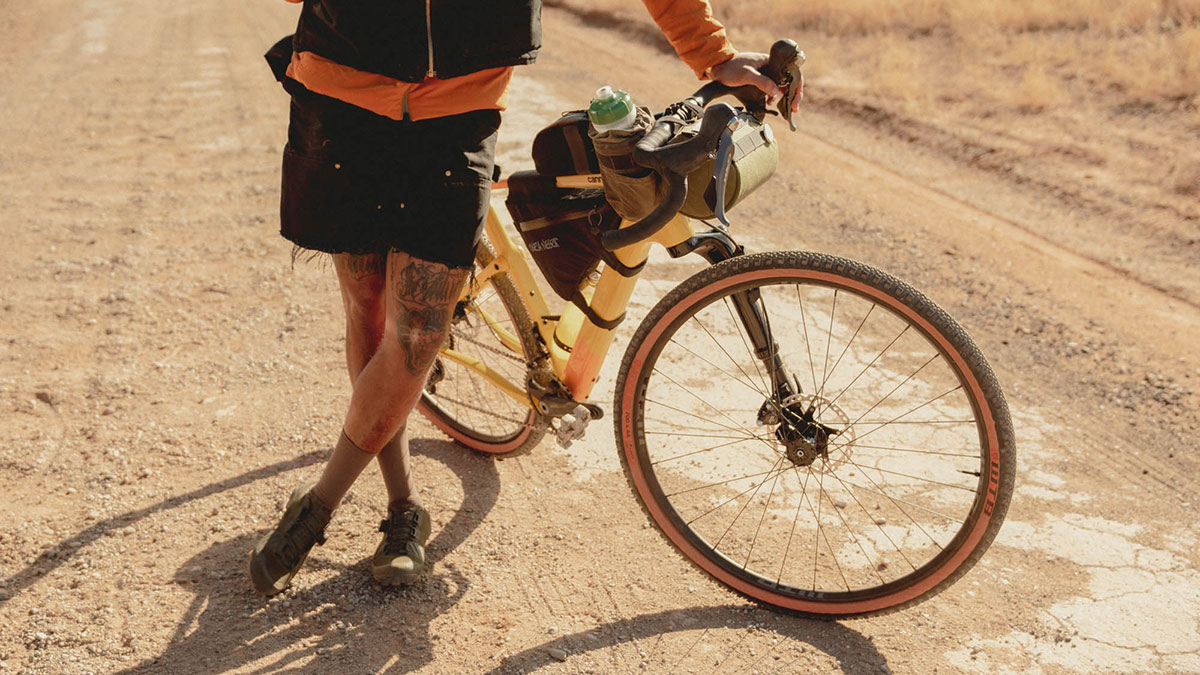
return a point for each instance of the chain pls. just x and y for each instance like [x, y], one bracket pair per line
[495, 350]
[499, 352]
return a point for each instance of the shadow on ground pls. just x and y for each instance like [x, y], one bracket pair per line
[228, 627]
[53, 557]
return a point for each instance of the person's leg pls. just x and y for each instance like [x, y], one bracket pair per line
[420, 297]
[362, 279]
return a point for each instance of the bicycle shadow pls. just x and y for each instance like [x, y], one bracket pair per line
[644, 637]
[227, 626]
[54, 557]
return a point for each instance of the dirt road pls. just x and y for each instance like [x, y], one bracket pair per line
[167, 376]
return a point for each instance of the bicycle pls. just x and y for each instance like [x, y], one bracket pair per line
[860, 467]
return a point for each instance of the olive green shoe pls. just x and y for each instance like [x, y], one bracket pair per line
[279, 555]
[400, 557]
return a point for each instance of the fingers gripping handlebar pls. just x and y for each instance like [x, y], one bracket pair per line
[674, 162]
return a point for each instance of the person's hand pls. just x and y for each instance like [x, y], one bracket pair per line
[743, 69]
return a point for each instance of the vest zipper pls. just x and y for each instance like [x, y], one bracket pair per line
[429, 37]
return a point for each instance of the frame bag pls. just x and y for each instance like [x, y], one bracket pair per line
[562, 228]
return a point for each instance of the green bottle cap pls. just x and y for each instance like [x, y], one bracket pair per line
[609, 106]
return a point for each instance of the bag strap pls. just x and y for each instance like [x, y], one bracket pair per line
[579, 301]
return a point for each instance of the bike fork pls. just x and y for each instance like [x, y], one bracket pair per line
[717, 246]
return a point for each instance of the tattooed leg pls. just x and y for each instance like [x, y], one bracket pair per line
[362, 280]
[424, 294]
[420, 302]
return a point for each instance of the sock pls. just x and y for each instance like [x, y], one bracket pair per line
[347, 461]
[396, 468]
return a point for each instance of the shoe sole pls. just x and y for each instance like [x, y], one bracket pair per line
[390, 577]
[259, 577]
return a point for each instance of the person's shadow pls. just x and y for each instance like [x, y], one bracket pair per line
[227, 627]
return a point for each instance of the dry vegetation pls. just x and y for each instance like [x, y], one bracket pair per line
[1030, 55]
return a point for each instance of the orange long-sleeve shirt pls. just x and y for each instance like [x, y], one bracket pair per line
[689, 25]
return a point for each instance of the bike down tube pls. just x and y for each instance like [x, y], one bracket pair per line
[609, 301]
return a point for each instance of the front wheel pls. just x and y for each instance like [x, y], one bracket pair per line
[877, 483]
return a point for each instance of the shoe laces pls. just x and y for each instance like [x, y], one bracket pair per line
[301, 536]
[399, 528]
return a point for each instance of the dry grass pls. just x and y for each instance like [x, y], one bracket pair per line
[1030, 55]
[866, 16]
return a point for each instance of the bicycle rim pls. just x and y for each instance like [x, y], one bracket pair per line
[458, 399]
[917, 473]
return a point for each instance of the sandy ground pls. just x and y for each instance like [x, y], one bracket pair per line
[167, 376]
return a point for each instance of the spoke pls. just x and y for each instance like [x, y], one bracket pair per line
[817, 534]
[863, 551]
[697, 452]
[724, 351]
[724, 482]
[894, 390]
[939, 514]
[737, 323]
[761, 518]
[742, 510]
[828, 544]
[894, 502]
[894, 420]
[795, 518]
[696, 396]
[749, 435]
[752, 487]
[807, 346]
[828, 341]
[683, 435]
[898, 421]
[866, 368]
[877, 525]
[939, 453]
[906, 475]
[845, 349]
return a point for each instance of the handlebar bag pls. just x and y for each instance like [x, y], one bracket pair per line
[564, 148]
[755, 156]
[633, 190]
[561, 229]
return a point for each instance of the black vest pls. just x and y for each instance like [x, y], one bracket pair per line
[393, 37]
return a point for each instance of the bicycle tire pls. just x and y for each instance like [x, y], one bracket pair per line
[464, 405]
[859, 493]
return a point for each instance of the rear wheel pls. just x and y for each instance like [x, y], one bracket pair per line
[493, 328]
[876, 487]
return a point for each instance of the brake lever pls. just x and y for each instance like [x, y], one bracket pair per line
[783, 67]
[721, 166]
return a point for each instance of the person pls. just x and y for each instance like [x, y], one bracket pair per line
[388, 166]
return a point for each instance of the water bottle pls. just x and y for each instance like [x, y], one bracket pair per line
[611, 109]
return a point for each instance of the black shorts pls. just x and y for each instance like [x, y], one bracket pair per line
[357, 182]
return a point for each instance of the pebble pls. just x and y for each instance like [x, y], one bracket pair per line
[557, 654]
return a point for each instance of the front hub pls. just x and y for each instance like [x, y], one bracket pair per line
[800, 429]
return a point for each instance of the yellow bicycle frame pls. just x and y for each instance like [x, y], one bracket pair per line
[577, 365]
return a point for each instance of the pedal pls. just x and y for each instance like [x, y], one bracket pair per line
[572, 426]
